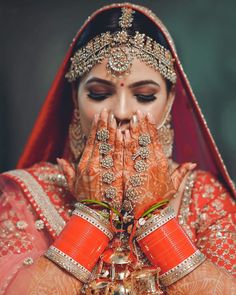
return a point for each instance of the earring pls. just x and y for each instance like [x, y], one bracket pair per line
[166, 136]
[76, 136]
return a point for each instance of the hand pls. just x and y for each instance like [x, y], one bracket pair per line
[147, 176]
[207, 279]
[43, 277]
[99, 173]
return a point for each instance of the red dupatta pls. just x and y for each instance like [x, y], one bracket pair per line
[193, 139]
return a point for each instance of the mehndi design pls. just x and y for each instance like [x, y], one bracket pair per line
[98, 175]
[151, 175]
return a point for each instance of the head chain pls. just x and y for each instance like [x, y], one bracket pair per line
[120, 48]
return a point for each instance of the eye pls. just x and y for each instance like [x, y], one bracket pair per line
[98, 96]
[145, 97]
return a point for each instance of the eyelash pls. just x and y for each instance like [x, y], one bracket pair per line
[145, 98]
[102, 96]
[98, 96]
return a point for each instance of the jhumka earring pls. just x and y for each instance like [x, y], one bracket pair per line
[76, 136]
[166, 136]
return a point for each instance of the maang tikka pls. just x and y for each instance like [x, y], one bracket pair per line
[120, 48]
[76, 136]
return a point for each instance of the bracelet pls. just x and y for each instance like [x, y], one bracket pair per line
[167, 246]
[69, 264]
[182, 269]
[81, 242]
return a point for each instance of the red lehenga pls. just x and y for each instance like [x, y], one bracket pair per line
[35, 203]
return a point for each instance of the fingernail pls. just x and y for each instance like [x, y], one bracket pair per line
[111, 117]
[151, 118]
[134, 119]
[96, 116]
[102, 113]
[140, 114]
[119, 134]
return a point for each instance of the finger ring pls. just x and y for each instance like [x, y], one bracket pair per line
[107, 162]
[103, 134]
[104, 148]
[144, 139]
[136, 180]
[108, 177]
[143, 152]
[110, 192]
[131, 194]
[140, 166]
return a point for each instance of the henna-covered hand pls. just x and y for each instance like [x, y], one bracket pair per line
[147, 176]
[207, 279]
[44, 277]
[98, 175]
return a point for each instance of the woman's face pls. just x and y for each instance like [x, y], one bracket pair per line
[143, 89]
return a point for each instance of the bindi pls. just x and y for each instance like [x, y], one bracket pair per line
[122, 84]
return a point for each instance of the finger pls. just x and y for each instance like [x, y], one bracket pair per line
[137, 125]
[69, 172]
[130, 148]
[118, 150]
[152, 129]
[104, 144]
[157, 147]
[180, 172]
[134, 127]
[102, 124]
[118, 165]
[145, 147]
[142, 122]
[89, 143]
[107, 160]
[112, 127]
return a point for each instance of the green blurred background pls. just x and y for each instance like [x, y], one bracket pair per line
[35, 36]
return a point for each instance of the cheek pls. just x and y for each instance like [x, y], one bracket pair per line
[157, 109]
[86, 116]
[87, 111]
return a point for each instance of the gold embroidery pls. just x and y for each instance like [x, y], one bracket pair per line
[35, 191]
[184, 211]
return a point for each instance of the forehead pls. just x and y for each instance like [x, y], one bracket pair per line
[138, 71]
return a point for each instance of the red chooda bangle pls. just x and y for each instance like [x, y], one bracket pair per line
[82, 241]
[167, 246]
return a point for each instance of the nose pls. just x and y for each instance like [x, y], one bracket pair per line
[122, 109]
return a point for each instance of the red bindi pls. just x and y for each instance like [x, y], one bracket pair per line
[122, 84]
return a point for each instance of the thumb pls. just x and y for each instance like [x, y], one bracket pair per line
[180, 172]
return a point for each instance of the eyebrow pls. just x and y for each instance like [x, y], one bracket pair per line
[133, 85]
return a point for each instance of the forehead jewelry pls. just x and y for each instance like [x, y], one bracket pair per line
[120, 48]
[120, 59]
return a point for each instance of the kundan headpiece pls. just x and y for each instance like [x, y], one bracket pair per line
[120, 48]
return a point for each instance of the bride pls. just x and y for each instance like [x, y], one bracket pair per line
[121, 188]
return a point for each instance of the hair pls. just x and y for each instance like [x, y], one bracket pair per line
[108, 20]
